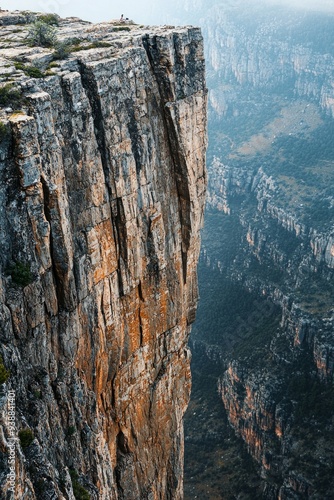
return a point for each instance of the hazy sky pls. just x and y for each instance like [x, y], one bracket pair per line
[91, 10]
[138, 10]
[327, 5]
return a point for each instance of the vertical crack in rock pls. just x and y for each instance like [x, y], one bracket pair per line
[135, 135]
[180, 167]
[55, 273]
[90, 85]
[118, 220]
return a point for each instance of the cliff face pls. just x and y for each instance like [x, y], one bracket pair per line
[269, 48]
[102, 193]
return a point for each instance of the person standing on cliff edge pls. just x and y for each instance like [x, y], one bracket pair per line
[121, 19]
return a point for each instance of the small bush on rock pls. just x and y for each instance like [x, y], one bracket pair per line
[29, 70]
[3, 132]
[79, 491]
[4, 373]
[41, 34]
[9, 96]
[51, 19]
[21, 273]
[34, 72]
[62, 50]
[26, 437]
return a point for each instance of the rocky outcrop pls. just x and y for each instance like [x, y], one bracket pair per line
[102, 192]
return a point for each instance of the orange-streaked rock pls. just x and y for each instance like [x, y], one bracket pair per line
[103, 183]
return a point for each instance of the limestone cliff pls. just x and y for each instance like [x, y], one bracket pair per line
[102, 187]
[272, 48]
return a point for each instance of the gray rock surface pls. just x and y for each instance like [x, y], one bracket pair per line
[102, 187]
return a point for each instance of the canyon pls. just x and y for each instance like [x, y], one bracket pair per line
[263, 338]
[102, 190]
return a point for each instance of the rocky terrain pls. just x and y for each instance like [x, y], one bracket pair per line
[102, 186]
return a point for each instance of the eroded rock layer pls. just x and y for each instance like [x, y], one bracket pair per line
[102, 186]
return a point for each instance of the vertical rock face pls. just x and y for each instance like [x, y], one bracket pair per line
[102, 184]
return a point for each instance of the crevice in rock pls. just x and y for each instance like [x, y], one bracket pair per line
[120, 224]
[135, 135]
[153, 266]
[179, 162]
[56, 276]
[125, 476]
[90, 86]
[122, 443]
[140, 292]
[140, 329]
[116, 205]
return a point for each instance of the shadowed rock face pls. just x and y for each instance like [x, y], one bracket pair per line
[102, 186]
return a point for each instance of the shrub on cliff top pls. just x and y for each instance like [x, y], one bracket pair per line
[52, 19]
[34, 72]
[121, 28]
[9, 96]
[29, 70]
[41, 34]
[62, 50]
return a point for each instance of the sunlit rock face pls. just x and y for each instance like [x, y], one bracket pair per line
[102, 188]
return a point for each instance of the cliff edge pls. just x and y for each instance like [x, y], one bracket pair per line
[102, 187]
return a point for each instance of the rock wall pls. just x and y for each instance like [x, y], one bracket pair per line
[102, 187]
[268, 48]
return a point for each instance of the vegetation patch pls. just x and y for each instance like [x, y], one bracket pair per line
[4, 373]
[53, 64]
[62, 50]
[26, 437]
[93, 45]
[79, 491]
[70, 431]
[29, 70]
[21, 273]
[97, 44]
[51, 19]
[9, 95]
[76, 48]
[41, 34]
[37, 394]
[34, 72]
[3, 132]
[121, 28]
